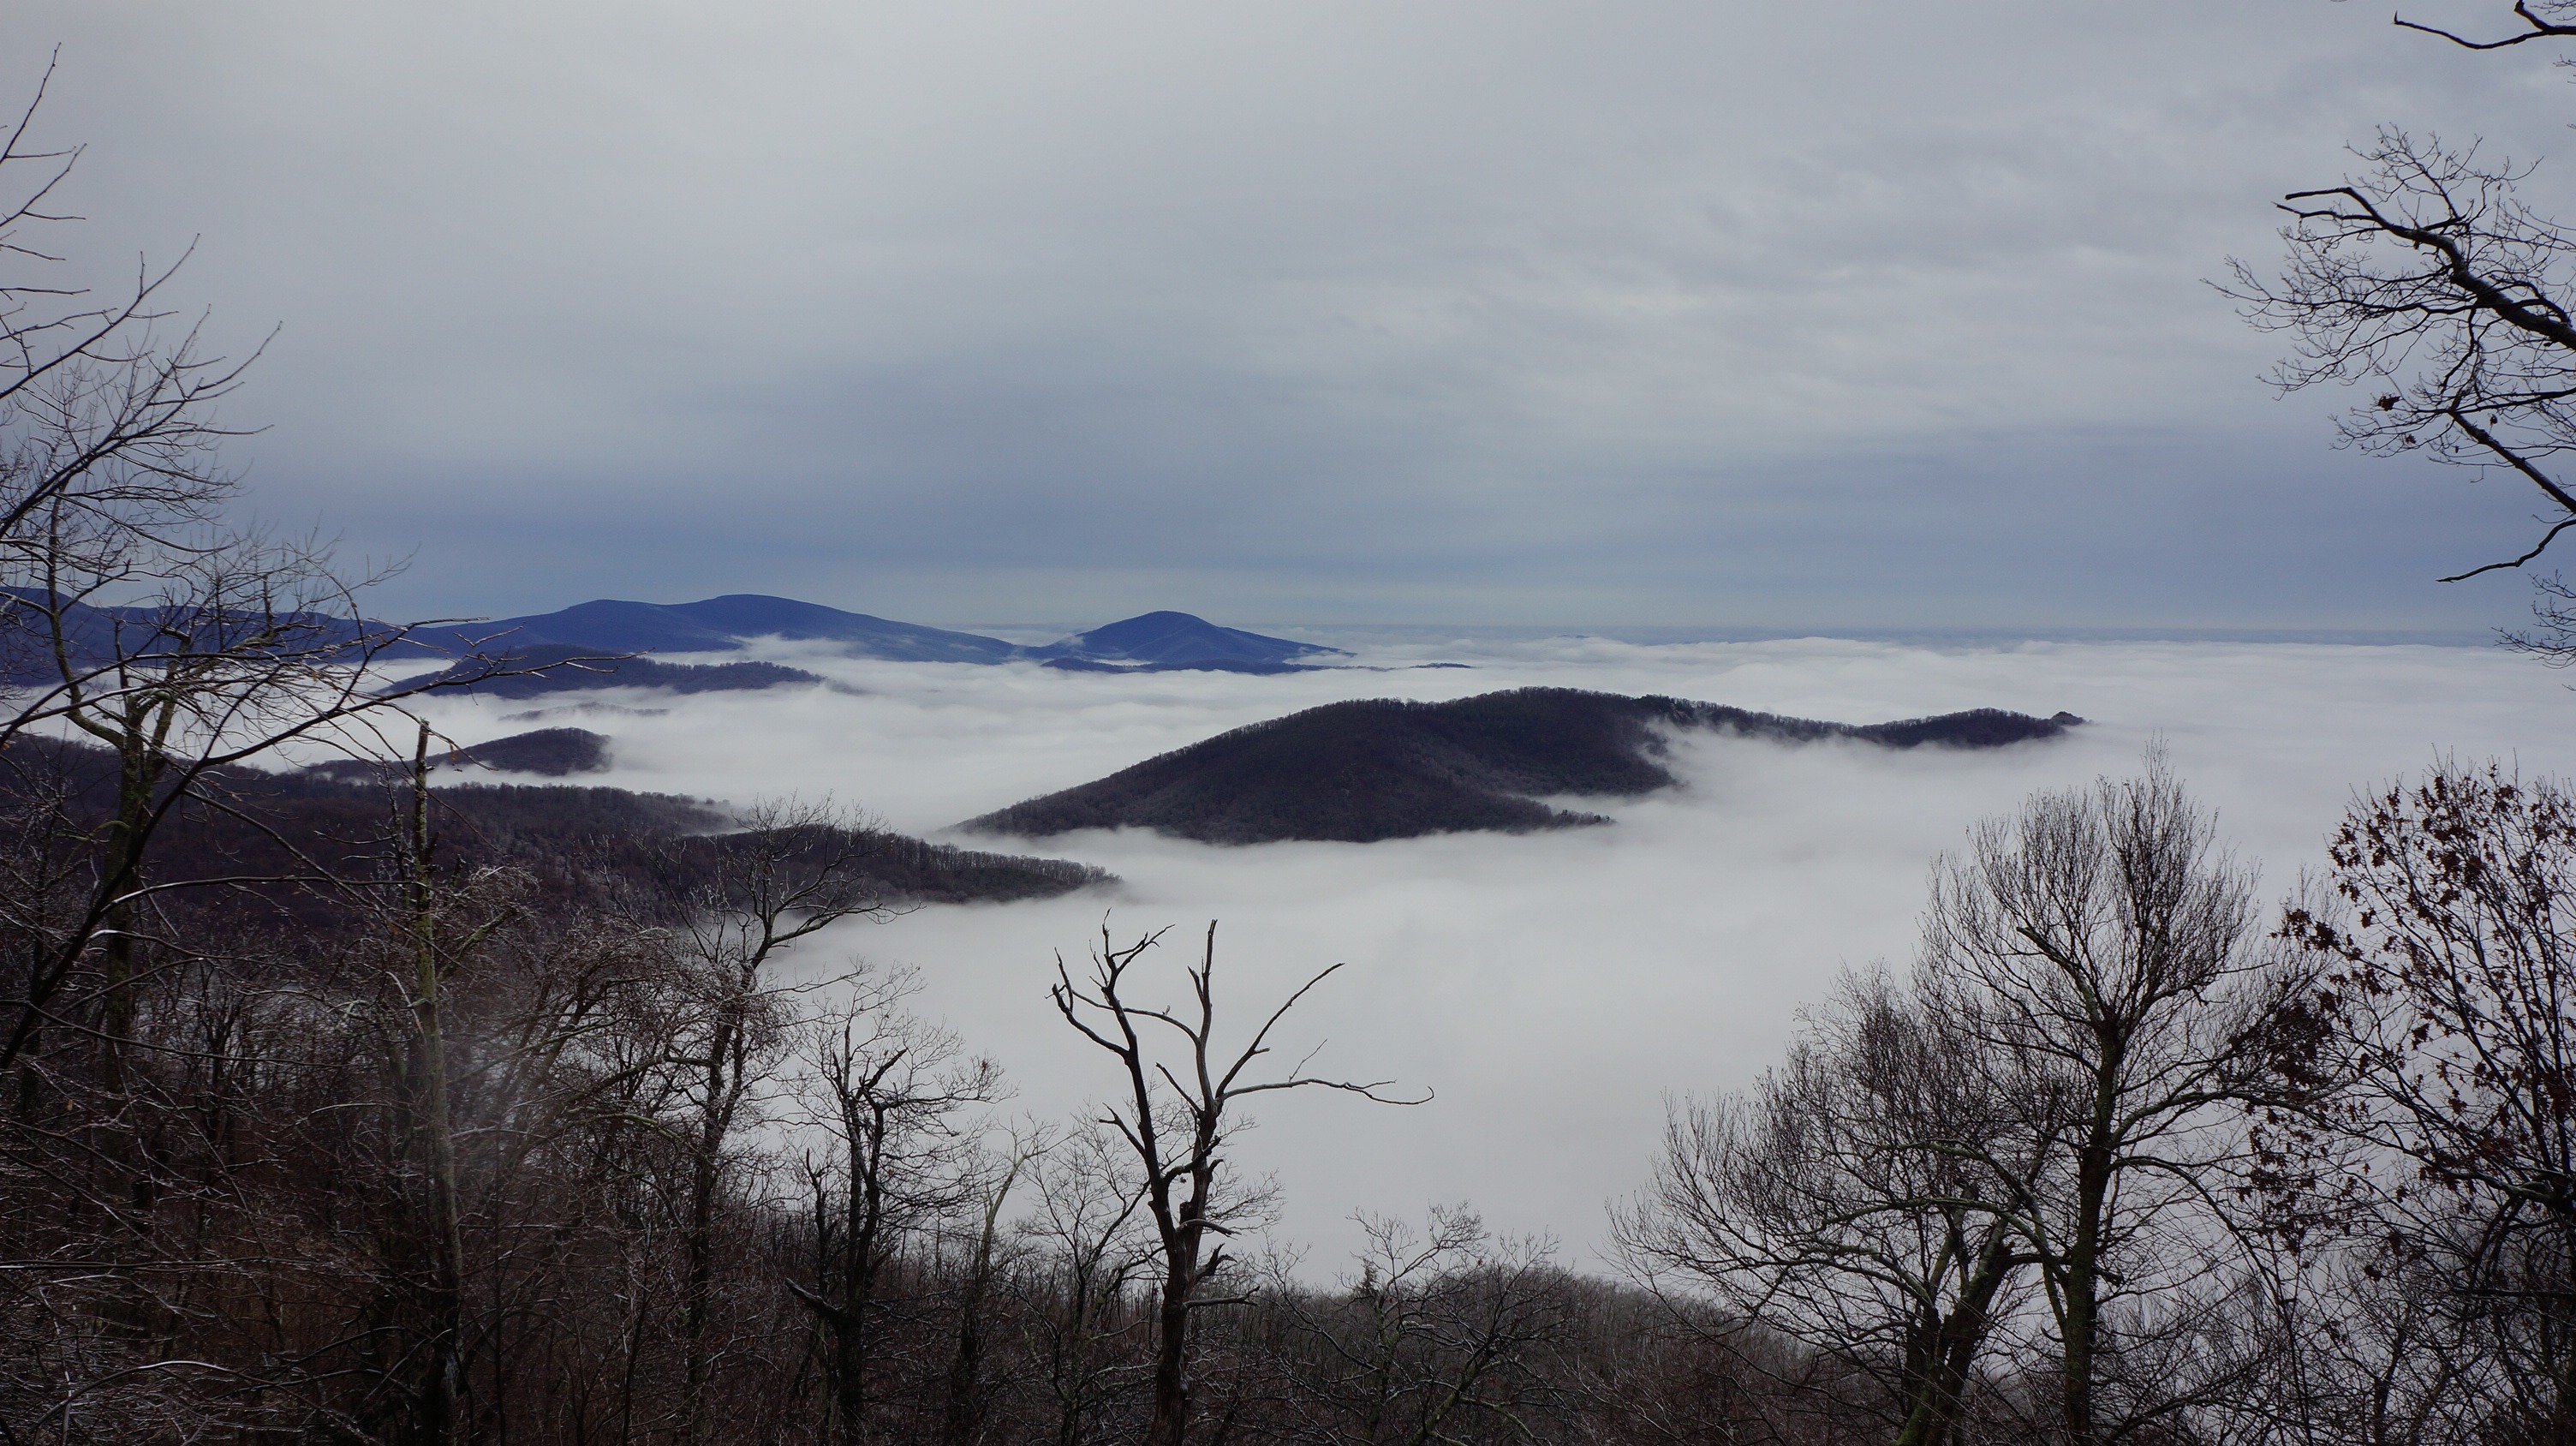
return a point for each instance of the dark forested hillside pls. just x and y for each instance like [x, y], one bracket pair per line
[581, 841]
[551, 752]
[1363, 771]
[539, 669]
[546, 752]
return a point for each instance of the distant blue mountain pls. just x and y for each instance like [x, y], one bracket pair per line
[722, 624]
[1151, 642]
[153, 636]
[1148, 643]
[1203, 665]
[1162, 641]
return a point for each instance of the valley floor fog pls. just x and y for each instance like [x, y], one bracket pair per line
[1552, 989]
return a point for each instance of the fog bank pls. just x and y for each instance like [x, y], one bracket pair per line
[1552, 989]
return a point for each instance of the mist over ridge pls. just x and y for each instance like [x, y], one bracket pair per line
[1555, 984]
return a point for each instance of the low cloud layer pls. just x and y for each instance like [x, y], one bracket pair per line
[1553, 988]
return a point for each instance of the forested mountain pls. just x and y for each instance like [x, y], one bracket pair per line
[1359, 772]
[538, 669]
[1147, 642]
[33, 623]
[586, 842]
[546, 752]
[1169, 641]
[723, 624]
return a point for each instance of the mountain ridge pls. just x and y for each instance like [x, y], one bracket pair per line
[545, 752]
[535, 670]
[1161, 641]
[724, 624]
[573, 837]
[1375, 769]
[608, 628]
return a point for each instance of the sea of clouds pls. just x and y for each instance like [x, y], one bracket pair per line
[1552, 990]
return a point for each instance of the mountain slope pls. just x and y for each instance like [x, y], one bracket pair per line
[721, 624]
[152, 636]
[580, 842]
[1363, 771]
[1149, 642]
[1170, 640]
[546, 752]
[570, 667]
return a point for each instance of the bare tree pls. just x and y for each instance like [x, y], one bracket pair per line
[2427, 279]
[90, 395]
[1858, 1201]
[1446, 1334]
[2427, 273]
[884, 1091]
[1086, 1251]
[966, 1399]
[1175, 1118]
[733, 907]
[2377, 1352]
[2102, 957]
[424, 1109]
[129, 612]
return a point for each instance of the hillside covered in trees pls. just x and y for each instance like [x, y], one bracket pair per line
[545, 752]
[534, 670]
[305, 827]
[1365, 771]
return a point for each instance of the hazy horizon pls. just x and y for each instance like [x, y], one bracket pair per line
[1883, 319]
[1366, 632]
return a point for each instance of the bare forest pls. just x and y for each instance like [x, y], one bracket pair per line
[366, 1107]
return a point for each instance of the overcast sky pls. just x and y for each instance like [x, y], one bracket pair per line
[1716, 314]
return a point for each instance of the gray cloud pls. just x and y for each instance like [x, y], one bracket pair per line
[1648, 312]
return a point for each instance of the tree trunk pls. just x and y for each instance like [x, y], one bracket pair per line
[434, 1141]
[1171, 1382]
[1172, 1321]
[698, 1282]
[964, 1418]
[1949, 1349]
[2080, 1273]
[128, 1182]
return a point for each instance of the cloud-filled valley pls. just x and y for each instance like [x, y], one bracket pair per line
[1693, 481]
[1551, 988]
